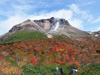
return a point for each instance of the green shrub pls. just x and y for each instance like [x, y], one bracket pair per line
[98, 51]
[44, 70]
[97, 66]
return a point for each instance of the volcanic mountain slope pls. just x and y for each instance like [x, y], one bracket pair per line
[54, 26]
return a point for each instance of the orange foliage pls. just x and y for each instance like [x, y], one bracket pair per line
[68, 50]
[74, 64]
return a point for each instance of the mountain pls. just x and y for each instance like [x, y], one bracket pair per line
[96, 35]
[52, 26]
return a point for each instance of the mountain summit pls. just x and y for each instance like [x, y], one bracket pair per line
[53, 26]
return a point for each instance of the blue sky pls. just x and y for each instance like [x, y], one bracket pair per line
[82, 14]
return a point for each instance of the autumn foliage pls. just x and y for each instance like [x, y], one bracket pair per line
[52, 51]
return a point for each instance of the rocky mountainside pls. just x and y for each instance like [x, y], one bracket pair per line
[53, 26]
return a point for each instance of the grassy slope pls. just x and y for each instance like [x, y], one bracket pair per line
[24, 35]
[18, 36]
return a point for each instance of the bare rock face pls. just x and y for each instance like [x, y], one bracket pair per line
[47, 24]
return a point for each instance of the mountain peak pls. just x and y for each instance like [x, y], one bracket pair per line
[54, 26]
[54, 20]
[51, 25]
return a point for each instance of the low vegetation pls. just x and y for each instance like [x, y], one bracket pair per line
[18, 36]
[41, 56]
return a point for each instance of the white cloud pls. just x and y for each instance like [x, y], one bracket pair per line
[89, 3]
[9, 8]
[96, 20]
[74, 15]
[3, 2]
[77, 23]
[7, 24]
[81, 13]
[74, 8]
[85, 2]
[66, 14]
